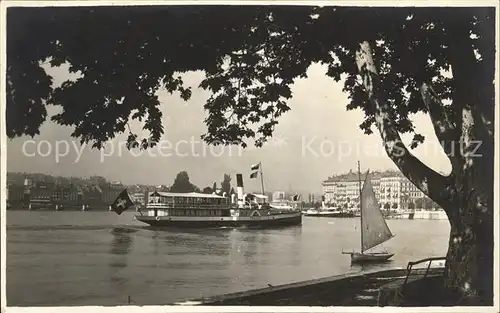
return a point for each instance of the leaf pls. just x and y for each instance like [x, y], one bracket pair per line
[251, 56]
[417, 139]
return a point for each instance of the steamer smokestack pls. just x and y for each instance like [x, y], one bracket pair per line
[239, 189]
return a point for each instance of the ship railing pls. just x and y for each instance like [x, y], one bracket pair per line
[187, 205]
[411, 264]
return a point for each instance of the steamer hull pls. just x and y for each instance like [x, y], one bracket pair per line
[270, 221]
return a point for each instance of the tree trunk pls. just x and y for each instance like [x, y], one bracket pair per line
[466, 195]
[469, 266]
[469, 261]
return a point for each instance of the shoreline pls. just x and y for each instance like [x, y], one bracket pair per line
[99, 208]
[351, 289]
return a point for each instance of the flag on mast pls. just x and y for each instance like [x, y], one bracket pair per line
[254, 168]
[122, 202]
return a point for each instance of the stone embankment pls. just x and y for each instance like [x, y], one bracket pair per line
[357, 289]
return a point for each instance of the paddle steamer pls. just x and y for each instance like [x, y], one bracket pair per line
[166, 209]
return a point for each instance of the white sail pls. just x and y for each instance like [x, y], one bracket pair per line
[373, 226]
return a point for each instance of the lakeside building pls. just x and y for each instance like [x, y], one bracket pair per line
[92, 195]
[66, 195]
[15, 193]
[391, 189]
[111, 191]
[19, 195]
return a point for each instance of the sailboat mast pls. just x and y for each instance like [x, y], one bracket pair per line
[261, 179]
[360, 207]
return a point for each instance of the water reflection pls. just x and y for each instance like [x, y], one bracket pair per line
[155, 242]
[121, 245]
[294, 247]
[373, 266]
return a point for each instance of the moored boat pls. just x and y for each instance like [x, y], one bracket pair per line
[41, 203]
[420, 215]
[325, 211]
[197, 210]
[330, 212]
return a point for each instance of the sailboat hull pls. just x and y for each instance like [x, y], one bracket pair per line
[370, 257]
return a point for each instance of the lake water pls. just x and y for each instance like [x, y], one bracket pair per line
[99, 258]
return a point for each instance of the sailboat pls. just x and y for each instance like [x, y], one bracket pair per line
[374, 229]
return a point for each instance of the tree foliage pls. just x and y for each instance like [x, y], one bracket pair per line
[411, 206]
[140, 50]
[182, 184]
[225, 185]
[207, 190]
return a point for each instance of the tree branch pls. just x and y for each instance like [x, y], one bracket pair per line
[444, 127]
[436, 186]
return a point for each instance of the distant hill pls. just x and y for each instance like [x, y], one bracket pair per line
[17, 178]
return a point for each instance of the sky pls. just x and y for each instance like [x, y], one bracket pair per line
[317, 138]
